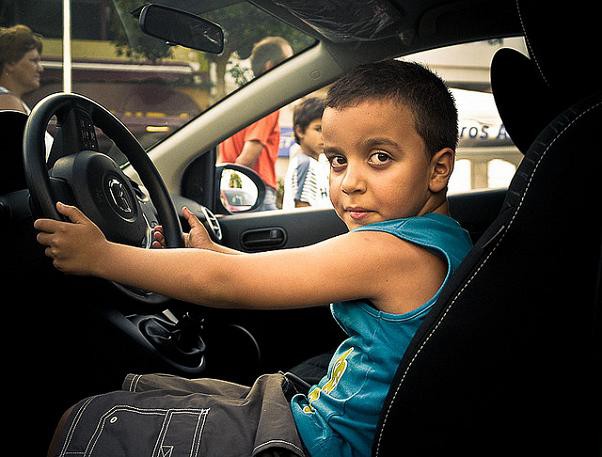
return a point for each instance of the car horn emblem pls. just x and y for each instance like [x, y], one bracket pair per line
[119, 195]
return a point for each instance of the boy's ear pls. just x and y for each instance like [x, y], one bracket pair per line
[299, 131]
[442, 165]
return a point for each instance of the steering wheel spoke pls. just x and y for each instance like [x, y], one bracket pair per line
[75, 132]
[61, 191]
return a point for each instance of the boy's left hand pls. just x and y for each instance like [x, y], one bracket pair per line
[197, 237]
[158, 238]
[75, 247]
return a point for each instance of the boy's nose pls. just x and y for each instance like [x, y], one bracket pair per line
[353, 181]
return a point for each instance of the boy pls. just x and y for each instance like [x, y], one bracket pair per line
[305, 184]
[389, 130]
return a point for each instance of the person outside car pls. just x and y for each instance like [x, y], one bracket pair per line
[256, 146]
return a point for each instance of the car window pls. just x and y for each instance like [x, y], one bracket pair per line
[486, 157]
[153, 88]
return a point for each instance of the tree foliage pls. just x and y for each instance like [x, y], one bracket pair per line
[244, 25]
[130, 40]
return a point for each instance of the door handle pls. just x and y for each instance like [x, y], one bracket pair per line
[270, 238]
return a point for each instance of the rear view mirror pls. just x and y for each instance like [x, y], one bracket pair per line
[180, 27]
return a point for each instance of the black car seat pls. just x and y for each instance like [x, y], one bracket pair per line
[16, 229]
[12, 174]
[507, 362]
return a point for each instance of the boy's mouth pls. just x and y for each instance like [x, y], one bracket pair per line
[358, 213]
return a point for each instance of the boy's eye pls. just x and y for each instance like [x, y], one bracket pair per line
[337, 162]
[379, 158]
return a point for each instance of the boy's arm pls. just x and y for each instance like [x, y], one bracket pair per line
[292, 278]
[351, 266]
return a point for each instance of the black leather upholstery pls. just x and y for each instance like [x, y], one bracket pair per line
[507, 361]
[12, 174]
[529, 92]
[514, 79]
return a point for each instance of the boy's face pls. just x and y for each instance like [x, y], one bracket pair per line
[379, 166]
[311, 141]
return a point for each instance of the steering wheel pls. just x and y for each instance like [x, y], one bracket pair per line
[77, 173]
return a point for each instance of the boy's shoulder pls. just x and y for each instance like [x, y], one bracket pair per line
[408, 273]
[302, 157]
[303, 162]
[432, 230]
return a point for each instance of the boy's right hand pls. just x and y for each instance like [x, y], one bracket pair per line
[75, 247]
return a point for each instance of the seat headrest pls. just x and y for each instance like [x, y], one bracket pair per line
[562, 43]
[524, 102]
[12, 173]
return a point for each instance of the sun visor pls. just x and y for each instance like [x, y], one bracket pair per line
[347, 20]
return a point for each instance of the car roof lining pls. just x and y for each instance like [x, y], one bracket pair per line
[429, 24]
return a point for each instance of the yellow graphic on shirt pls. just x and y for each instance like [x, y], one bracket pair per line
[337, 373]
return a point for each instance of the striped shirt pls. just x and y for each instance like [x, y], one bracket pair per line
[305, 181]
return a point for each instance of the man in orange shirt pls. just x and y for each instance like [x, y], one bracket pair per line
[256, 146]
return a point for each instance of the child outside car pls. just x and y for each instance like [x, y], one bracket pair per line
[305, 183]
[389, 132]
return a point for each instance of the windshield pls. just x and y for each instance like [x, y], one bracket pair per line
[152, 87]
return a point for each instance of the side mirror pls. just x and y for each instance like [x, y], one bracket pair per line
[180, 27]
[240, 189]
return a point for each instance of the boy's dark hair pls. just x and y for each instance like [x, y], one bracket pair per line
[17, 41]
[426, 95]
[269, 49]
[306, 112]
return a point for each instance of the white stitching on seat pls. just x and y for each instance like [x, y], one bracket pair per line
[531, 52]
[450, 306]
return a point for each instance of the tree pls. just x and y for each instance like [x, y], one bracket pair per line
[245, 24]
[235, 181]
[130, 40]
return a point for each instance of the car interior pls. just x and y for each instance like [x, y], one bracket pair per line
[505, 363]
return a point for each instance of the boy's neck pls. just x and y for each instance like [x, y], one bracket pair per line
[309, 154]
[439, 207]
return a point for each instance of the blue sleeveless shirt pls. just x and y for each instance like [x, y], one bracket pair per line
[338, 417]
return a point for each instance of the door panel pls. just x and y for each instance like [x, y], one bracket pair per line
[268, 230]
